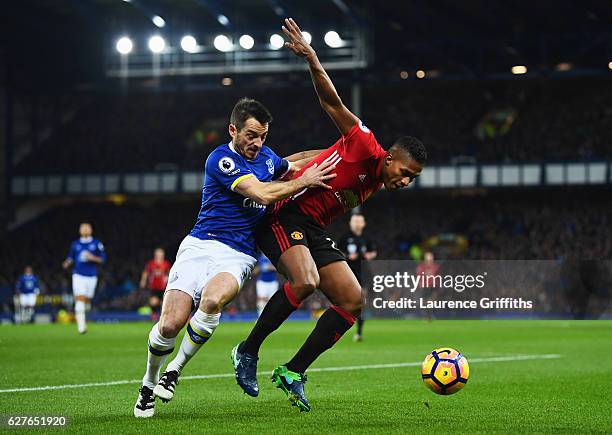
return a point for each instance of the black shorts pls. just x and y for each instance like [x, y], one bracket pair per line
[290, 227]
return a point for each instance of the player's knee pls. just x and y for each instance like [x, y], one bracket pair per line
[304, 288]
[305, 285]
[213, 303]
[353, 308]
[353, 304]
[169, 327]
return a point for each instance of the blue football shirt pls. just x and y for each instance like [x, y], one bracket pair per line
[77, 254]
[27, 284]
[265, 274]
[225, 215]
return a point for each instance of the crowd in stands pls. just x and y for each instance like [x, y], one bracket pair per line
[517, 120]
[510, 225]
[514, 224]
[543, 120]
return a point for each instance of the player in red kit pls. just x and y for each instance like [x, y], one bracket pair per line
[155, 277]
[429, 269]
[296, 242]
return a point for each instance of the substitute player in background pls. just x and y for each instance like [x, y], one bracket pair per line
[429, 269]
[241, 178]
[357, 247]
[266, 284]
[295, 240]
[27, 289]
[154, 277]
[85, 255]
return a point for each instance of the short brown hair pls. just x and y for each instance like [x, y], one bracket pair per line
[247, 108]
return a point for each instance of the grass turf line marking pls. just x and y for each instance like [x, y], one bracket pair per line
[321, 369]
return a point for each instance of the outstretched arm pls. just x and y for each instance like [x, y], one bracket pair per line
[301, 159]
[271, 192]
[328, 97]
[302, 155]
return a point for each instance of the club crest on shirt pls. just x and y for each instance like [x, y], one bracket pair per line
[226, 164]
[296, 235]
[270, 166]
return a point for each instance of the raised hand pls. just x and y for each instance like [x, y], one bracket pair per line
[297, 43]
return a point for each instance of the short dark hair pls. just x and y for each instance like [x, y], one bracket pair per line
[414, 147]
[247, 108]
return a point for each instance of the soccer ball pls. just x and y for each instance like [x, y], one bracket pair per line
[445, 371]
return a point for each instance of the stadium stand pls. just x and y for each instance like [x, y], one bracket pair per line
[507, 224]
[511, 121]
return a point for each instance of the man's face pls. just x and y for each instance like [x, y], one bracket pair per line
[429, 257]
[85, 230]
[28, 270]
[399, 170]
[249, 140]
[159, 254]
[357, 223]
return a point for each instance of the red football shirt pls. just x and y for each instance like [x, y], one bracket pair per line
[359, 159]
[157, 274]
[428, 270]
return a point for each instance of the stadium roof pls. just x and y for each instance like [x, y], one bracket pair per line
[51, 42]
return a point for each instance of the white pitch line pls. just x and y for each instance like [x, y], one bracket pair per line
[322, 369]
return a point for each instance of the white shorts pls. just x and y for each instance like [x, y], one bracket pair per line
[84, 285]
[265, 289]
[27, 299]
[198, 261]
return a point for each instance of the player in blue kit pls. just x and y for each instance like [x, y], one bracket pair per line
[242, 178]
[84, 256]
[267, 282]
[27, 289]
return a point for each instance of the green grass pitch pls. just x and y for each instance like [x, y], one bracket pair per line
[570, 393]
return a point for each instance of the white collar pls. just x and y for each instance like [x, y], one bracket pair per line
[231, 147]
[85, 239]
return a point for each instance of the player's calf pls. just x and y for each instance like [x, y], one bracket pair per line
[80, 310]
[162, 338]
[330, 327]
[277, 310]
[199, 329]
